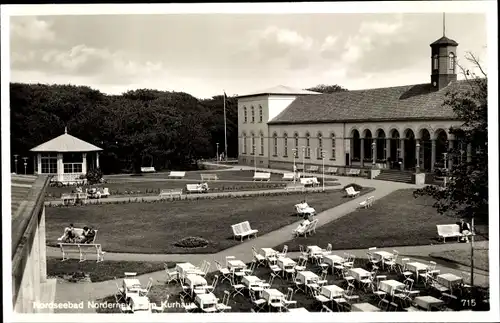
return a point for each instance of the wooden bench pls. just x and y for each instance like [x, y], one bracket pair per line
[309, 181]
[449, 231]
[243, 230]
[209, 177]
[174, 174]
[262, 177]
[148, 169]
[331, 170]
[288, 176]
[351, 192]
[79, 232]
[294, 187]
[353, 172]
[170, 193]
[82, 250]
[313, 169]
[196, 188]
[367, 203]
[311, 227]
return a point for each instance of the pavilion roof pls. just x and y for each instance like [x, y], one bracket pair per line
[65, 143]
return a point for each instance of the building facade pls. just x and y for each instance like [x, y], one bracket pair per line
[403, 127]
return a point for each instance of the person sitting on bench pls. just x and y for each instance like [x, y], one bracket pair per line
[465, 230]
[88, 235]
[69, 235]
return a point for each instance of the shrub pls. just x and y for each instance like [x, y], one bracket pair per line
[356, 187]
[192, 242]
[94, 176]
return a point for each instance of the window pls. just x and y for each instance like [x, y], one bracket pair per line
[285, 144]
[452, 62]
[333, 146]
[260, 114]
[245, 115]
[72, 162]
[435, 62]
[253, 114]
[275, 144]
[244, 143]
[72, 168]
[261, 144]
[296, 139]
[308, 146]
[253, 144]
[49, 163]
[320, 146]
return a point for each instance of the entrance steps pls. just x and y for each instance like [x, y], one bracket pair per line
[394, 175]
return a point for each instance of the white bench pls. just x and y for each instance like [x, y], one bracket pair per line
[148, 169]
[331, 170]
[209, 177]
[243, 230]
[82, 250]
[353, 172]
[294, 187]
[170, 193]
[351, 192]
[174, 174]
[367, 203]
[288, 176]
[307, 210]
[309, 181]
[449, 231]
[197, 188]
[304, 231]
[79, 232]
[313, 169]
[262, 177]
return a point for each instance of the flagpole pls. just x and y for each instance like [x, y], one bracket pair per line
[225, 133]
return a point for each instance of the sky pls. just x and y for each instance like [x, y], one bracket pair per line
[206, 54]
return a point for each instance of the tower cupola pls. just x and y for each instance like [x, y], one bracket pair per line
[443, 61]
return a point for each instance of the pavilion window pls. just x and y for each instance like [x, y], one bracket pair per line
[49, 163]
[73, 163]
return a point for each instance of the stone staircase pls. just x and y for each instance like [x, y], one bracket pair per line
[394, 175]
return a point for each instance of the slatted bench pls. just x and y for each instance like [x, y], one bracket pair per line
[148, 169]
[294, 187]
[170, 193]
[243, 230]
[449, 231]
[82, 250]
[331, 170]
[175, 174]
[313, 169]
[288, 176]
[309, 181]
[79, 232]
[262, 177]
[209, 177]
[351, 192]
[354, 172]
[367, 203]
[196, 188]
[68, 198]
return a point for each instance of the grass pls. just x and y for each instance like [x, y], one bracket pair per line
[397, 219]
[159, 292]
[481, 259]
[155, 227]
[152, 184]
[102, 271]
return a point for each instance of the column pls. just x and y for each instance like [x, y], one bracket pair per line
[417, 154]
[433, 154]
[97, 159]
[422, 151]
[39, 163]
[450, 161]
[60, 167]
[402, 156]
[84, 163]
[374, 152]
[388, 152]
[362, 151]
[469, 152]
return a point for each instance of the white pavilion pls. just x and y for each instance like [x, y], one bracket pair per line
[66, 157]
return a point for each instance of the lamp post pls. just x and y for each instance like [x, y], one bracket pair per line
[373, 155]
[217, 154]
[323, 158]
[15, 163]
[294, 168]
[25, 164]
[417, 167]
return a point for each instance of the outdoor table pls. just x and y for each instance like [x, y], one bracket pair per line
[332, 291]
[359, 273]
[287, 265]
[131, 286]
[428, 302]
[314, 250]
[298, 309]
[251, 281]
[364, 307]
[194, 281]
[390, 286]
[383, 256]
[268, 252]
[185, 269]
[307, 277]
[333, 259]
[237, 266]
[416, 267]
[272, 294]
[205, 301]
[138, 303]
[449, 280]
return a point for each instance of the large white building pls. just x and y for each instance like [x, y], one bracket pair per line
[404, 127]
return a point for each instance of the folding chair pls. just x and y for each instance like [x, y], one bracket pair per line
[172, 275]
[261, 260]
[283, 253]
[249, 271]
[188, 307]
[258, 303]
[221, 307]
[211, 288]
[323, 279]
[288, 299]
[226, 274]
[238, 288]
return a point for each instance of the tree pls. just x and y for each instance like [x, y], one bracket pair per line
[322, 88]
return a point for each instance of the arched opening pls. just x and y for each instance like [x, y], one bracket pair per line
[275, 144]
[441, 147]
[244, 143]
[356, 146]
[425, 150]
[381, 146]
[395, 149]
[409, 147]
[367, 145]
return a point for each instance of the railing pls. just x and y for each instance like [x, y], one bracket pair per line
[70, 178]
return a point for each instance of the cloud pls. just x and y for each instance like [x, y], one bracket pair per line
[33, 29]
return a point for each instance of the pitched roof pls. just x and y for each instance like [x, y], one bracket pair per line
[445, 41]
[65, 143]
[409, 102]
[280, 89]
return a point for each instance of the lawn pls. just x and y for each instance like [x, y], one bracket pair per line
[155, 227]
[102, 271]
[161, 291]
[463, 257]
[397, 219]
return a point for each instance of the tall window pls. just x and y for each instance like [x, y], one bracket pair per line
[435, 62]
[72, 162]
[275, 144]
[333, 146]
[260, 114]
[261, 143]
[296, 139]
[253, 144]
[320, 146]
[49, 163]
[308, 145]
[452, 62]
[252, 111]
[285, 144]
[245, 119]
[244, 143]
